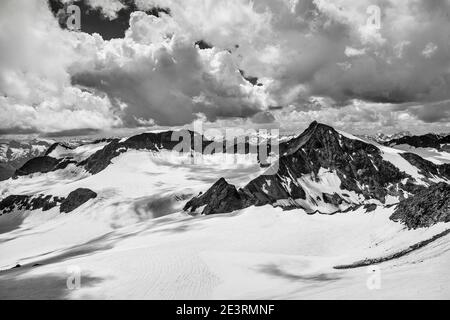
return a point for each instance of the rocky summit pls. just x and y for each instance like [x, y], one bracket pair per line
[359, 167]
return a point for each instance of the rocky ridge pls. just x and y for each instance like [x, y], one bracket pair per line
[427, 207]
[359, 166]
[46, 202]
[429, 140]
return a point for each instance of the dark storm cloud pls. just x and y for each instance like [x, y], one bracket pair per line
[428, 113]
[170, 84]
[172, 67]
[16, 130]
[95, 21]
[72, 133]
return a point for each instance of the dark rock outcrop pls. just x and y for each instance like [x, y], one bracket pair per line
[425, 208]
[77, 198]
[427, 168]
[55, 145]
[334, 198]
[221, 197]
[425, 141]
[102, 158]
[42, 164]
[370, 207]
[25, 202]
[46, 202]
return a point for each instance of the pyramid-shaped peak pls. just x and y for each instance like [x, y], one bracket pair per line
[315, 129]
[221, 181]
[317, 125]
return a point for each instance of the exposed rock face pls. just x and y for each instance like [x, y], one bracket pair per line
[24, 202]
[42, 164]
[445, 169]
[370, 207]
[359, 166]
[425, 208]
[56, 145]
[425, 141]
[77, 198]
[152, 141]
[102, 158]
[46, 202]
[221, 197]
[356, 163]
[427, 168]
[334, 198]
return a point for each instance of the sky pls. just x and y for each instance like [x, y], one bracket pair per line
[362, 66]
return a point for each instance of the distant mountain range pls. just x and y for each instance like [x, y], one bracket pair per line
[435, 141]
[143, 219]
[14, 154]
[381, 137]
[321, 170]
[429, 140]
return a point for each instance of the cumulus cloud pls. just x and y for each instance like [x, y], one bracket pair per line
[361, 117]
[108, 7]
[158, 73]
[358, 64]
[263, 117]
[35, 89]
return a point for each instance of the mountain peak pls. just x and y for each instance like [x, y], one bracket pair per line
[315, 131]
[220, 182]
[314, 123]
[318, 126]
[317, 155]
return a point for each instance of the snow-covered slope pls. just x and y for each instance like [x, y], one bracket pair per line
[430, 154]
[257, 253]
[135, 241]
[77, 153]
